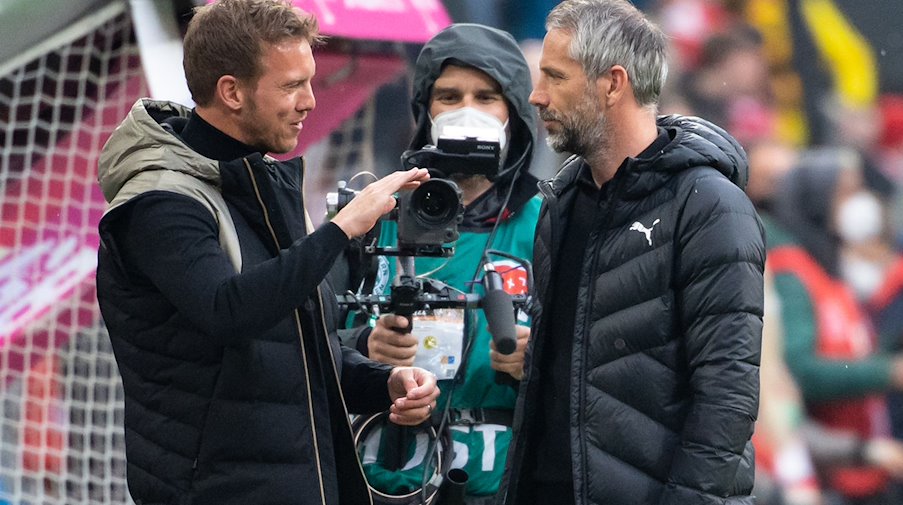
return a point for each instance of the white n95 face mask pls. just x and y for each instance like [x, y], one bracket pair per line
[860, 218]
[468, 117]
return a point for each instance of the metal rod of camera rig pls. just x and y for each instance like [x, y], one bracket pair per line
[398, 438]
[407, 266]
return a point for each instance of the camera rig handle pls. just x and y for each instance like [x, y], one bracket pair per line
[410, 293]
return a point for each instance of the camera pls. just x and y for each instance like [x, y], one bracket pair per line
[459, 150]
[427, 217]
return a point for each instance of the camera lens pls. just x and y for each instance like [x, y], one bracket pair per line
[435, 202]
[428, 216]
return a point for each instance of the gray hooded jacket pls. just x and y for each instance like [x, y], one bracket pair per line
[497, 54]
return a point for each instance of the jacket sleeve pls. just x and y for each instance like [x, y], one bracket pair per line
[365, 383]
[719, 255]
[171, 242]
[823, 379]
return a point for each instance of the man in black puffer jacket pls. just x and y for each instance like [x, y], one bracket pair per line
[237, 390]
[642, 378]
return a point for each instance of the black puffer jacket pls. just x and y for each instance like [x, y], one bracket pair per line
[211, 288]
[664, 378]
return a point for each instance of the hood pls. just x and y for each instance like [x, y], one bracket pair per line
[496, 53]
[804, 204]
[698, 142]
[695, 142]
[145, 141]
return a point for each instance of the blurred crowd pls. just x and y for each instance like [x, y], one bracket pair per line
[807, 87]
[824, 144]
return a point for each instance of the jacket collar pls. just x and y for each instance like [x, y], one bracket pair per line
[209, 141]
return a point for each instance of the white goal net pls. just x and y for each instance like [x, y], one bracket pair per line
[61, 410]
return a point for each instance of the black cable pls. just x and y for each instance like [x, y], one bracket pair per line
[465, 353]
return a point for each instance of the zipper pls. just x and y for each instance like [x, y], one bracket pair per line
[332, 359]
[341, 394]
[554, 223]
[297, 317]
[552, 197]
[584, 344]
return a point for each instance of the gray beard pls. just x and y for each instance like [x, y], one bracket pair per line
[584, 133]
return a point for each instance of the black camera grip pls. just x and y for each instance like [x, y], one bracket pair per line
[500, 316]
[404, 329]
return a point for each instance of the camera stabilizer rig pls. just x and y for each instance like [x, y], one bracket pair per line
[427, 223]
[427, 218]
[410, 294]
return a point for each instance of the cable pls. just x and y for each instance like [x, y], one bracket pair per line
[468, 342]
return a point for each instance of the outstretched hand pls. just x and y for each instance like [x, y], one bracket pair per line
[375, 200]
[413, 392]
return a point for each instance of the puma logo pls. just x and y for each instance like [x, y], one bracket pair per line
[638, 226]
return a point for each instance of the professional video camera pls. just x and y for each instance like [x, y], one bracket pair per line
[427, 218]
[427, 225]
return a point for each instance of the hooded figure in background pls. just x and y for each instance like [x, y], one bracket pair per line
[822, 215]
[804, 205]
[467, 76]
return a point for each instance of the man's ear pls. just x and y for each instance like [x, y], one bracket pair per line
[230, 91]
[613, 85]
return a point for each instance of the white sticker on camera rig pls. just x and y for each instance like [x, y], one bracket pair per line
[441, 335]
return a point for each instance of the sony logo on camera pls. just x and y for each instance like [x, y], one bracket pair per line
[459, 150]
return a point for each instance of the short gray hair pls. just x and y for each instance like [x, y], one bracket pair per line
[614, 32]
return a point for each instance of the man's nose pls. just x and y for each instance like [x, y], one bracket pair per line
[539, 98]
[306, 100]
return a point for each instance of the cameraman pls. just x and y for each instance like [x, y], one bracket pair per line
[473, 76]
